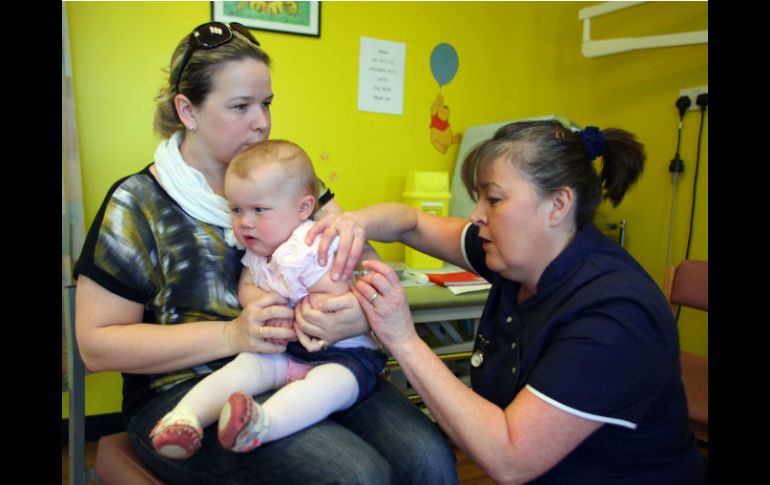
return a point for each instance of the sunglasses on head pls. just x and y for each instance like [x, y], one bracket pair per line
[210, 36]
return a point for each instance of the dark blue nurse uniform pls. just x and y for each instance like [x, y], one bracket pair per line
[598, 340]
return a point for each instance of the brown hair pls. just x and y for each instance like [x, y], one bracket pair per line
[296, 164]
[550, 156]
[197, 77]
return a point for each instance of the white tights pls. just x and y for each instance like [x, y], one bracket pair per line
[327, 388]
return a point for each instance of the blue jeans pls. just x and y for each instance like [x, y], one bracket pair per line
[384, 439]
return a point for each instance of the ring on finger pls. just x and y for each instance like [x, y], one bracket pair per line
[371, 298]
[259, 332]
[323, 343]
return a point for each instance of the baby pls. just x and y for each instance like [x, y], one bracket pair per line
[272, 189]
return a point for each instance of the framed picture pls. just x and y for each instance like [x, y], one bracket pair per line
[302, 18]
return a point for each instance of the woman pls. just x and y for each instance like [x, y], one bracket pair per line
[157, 291]
[575, 373]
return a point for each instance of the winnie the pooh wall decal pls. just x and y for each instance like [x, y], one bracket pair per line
[440, 134]
[443, 65]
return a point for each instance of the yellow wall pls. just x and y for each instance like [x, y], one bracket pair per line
[516, 60]
[637, 91]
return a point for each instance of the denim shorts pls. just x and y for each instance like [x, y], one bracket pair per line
[365, 364]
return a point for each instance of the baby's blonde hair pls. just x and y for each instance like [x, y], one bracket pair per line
[297, 167]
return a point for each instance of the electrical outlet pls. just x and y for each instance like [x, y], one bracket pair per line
[693, 93]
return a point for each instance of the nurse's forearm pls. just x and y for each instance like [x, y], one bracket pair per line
[475, 425]
[387, 221]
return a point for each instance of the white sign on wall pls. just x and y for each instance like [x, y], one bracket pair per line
[381, 76]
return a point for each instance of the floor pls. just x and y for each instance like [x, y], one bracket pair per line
[90, 457]
[467, 471]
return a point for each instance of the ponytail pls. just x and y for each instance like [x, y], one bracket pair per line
[622, 165]
[551, 157]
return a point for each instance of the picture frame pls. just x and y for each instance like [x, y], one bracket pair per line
[300, 18]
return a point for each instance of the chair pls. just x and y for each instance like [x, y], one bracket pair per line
[687, 285]
[116, 462]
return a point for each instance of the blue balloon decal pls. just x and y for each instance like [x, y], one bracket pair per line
[443, 63]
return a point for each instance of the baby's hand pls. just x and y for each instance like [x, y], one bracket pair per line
[311, 344]
[282, 323]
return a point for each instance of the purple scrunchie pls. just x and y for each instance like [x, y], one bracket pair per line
[593, 141]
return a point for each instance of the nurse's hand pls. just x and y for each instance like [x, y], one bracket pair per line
[384, 303]
[351, 244]
[330, 320]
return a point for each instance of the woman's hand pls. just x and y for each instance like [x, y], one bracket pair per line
[251, 332]
[384, 302]
[351, 244]
[331, 320]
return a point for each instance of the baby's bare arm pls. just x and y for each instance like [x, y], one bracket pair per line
[323, 289]
[247, 290]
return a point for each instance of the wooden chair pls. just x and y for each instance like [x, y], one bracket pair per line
[687, 285]
[116, 463]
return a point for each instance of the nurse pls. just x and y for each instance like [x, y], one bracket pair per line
[575, 375]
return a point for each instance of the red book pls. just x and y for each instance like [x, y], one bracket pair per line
[455, 279]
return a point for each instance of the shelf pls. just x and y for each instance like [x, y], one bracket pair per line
[447, 323]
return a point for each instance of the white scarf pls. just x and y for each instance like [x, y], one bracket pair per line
[188, 187]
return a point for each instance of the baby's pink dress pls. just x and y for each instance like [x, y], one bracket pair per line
[293, 267]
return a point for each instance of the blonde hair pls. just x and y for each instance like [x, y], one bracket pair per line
[197, 80]
[295, 163]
